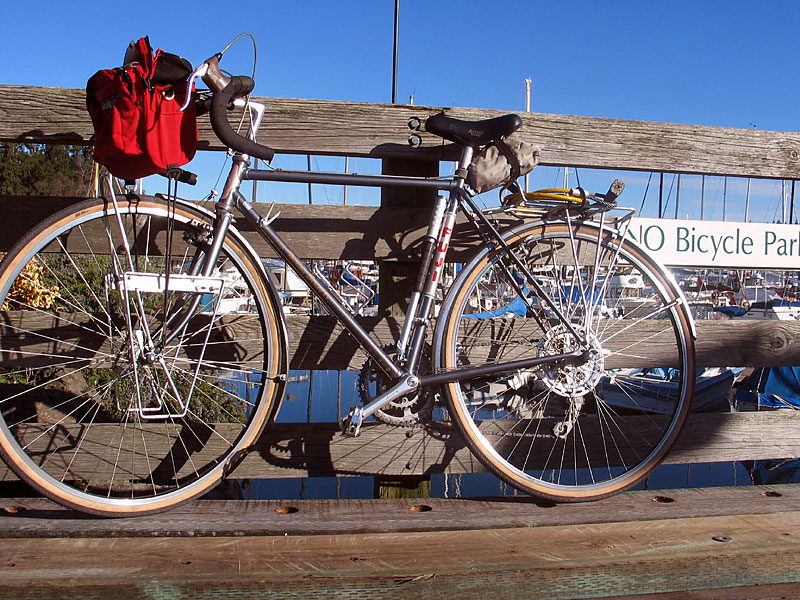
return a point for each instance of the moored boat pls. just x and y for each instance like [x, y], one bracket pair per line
[653, 391]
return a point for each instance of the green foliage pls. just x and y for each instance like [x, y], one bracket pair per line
[30, 377]
[78, 287]
[214, 398]
[45, 170]
[71, 283]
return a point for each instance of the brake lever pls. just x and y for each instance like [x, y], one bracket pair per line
[198, 72]
[211, 75]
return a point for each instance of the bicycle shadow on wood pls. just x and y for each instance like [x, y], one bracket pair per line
[320, 450]
[319, 342]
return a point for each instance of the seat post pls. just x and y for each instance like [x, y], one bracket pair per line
[467, 152]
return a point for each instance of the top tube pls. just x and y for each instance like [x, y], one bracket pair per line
[349, 179]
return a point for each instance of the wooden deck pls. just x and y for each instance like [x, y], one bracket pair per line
[739, 542]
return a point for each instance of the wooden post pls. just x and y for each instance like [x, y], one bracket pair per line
[394, 287]
[402, 486]
[397, 277]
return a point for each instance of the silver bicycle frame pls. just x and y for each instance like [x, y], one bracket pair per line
[421, 305]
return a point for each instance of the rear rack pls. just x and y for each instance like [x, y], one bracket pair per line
[560, 203]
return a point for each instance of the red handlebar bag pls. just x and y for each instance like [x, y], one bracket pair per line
[138, 129]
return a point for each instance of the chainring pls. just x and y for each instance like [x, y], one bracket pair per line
[405, 411]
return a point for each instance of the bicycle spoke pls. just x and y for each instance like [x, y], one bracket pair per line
[567, 431]
[129, 397]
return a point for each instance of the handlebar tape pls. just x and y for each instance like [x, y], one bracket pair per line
[238, 87]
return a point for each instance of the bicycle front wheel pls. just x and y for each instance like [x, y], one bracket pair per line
[567, 431]
[130, 380]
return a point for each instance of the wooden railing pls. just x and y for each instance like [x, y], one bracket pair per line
[391, 233]
[58, 115]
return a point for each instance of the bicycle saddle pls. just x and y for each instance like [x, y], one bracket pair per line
[472, 133]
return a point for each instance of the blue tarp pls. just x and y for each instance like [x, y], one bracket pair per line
[738, 311]
[518, 306]
[772, 472]
[772, 387]
[731, 311]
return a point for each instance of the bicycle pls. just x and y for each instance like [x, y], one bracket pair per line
[130, 385]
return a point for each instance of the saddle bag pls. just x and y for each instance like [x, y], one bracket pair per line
[138, 129]
[500, 163]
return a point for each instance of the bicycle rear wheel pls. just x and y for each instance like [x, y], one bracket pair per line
[103, 407]
[563, 431]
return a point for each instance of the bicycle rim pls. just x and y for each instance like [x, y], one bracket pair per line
[569, 432]
[104, 408]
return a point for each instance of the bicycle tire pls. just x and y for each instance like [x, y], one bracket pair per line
[115, 427]
[564, 432]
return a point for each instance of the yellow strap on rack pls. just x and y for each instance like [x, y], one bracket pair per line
[547, 195]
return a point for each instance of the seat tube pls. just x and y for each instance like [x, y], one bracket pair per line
[436, 269]
[448, 223]
[429, 247]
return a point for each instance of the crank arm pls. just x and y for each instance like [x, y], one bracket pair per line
[351, 424]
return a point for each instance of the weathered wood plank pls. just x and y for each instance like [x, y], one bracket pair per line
[319, 449]
[320, 343]
[317, 341]
[41, 518]
[598, 560]
[748, 343]
[312, 231]
[58, 115]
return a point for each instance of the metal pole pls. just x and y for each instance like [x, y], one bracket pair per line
[747, 202]
[527, 94]
[678, 196]
[396, 35]
[527, 109]
[702, 197]
[309, 183]
[344, 198]
[783, 201]
[725, 199]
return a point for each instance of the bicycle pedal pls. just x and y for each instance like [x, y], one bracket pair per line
[351, 424]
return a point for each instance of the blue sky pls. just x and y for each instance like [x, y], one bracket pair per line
[728, 63]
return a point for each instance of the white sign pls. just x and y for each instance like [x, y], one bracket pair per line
[679, 243]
